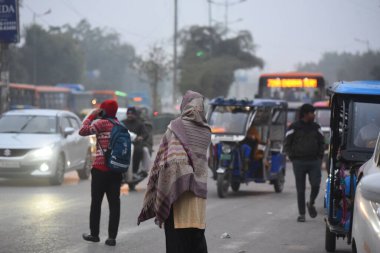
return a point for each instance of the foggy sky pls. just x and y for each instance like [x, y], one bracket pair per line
[286, 32]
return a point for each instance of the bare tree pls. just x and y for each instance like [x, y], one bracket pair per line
[155, 66]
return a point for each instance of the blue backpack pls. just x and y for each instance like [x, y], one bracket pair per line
[118, 154]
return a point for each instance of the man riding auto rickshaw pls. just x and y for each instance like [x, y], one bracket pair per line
[247, 139]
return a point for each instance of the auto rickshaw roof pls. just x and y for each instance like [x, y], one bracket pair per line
[355, 88]
[251, 103]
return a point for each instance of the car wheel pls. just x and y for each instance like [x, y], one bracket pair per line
[86, 171]
[330, 240]
[58, 177]
[279, 182]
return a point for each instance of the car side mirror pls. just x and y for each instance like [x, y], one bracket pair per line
[370, 187]
[68, 130]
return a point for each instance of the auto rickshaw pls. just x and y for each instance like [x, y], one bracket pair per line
[322, 117]
[247, 139]
[355, 124]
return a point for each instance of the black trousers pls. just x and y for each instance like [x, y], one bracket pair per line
[301, 169]
[105, 183]
[137, 155]
[184, 240]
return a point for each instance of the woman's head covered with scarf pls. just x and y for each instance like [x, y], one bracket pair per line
[192, 108]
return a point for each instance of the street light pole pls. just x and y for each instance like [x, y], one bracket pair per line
[209, 13]
[226, 6]
[175, 52]
[364, 42]
[35, 16]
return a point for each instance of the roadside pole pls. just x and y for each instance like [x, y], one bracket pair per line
[9, 33]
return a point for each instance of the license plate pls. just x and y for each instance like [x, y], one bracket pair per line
[225, 157]
[9, 164]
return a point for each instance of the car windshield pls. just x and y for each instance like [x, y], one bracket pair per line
[229, 119]
[28, 124]
[366, 124]
[322, 117]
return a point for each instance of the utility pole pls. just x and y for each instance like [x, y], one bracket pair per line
[35, 16]
[226, 14]
[209, 13]
[175, 88]
[9, 33]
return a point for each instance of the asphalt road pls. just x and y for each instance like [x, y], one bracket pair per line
[36, 217]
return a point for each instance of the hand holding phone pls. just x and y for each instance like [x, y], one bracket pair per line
[98, 113]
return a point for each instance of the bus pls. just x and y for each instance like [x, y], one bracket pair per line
[140, 100]
[296, 88]
[52, 97]
[21, 96]
[79, 98]
[98, 96]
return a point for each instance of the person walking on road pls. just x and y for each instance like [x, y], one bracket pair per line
[177, 188]
[304, 145]
[103, 180]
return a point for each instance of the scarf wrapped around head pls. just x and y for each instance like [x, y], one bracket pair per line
[181, 163]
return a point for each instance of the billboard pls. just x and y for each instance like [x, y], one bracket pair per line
[9, 21]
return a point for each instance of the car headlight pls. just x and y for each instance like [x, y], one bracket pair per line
[226, 149]
[43, 152]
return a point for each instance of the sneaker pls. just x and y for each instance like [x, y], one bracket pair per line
[90, 238]
[311, 209]
[110, 242]
[301, 218]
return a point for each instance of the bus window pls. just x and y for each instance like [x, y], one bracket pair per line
[21, 96]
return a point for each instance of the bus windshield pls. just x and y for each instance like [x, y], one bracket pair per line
[292, 87]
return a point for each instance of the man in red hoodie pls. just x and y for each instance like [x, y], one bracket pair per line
[103, 181]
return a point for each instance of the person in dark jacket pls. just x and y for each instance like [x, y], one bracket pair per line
[103, 180]
[135, 125]
[304, 145]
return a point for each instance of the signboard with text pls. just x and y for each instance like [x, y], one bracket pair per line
[9, 21]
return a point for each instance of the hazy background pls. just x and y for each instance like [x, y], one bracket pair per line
[286, 32]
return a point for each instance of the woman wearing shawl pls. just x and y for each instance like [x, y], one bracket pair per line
[177, 187]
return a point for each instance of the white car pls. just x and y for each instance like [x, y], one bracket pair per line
[366, 219]
[43, 143]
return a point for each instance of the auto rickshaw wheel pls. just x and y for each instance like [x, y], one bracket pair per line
[279, 182]
[222, 184]
[235, 185]
[330, 240]
[132, 187]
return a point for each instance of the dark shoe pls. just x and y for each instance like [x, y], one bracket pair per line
[143, 174]
[136, 177]
[90, 238]
[301, 218]
[311, 209]
[110, 242]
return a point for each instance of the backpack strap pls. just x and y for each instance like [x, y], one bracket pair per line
[112, 121]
